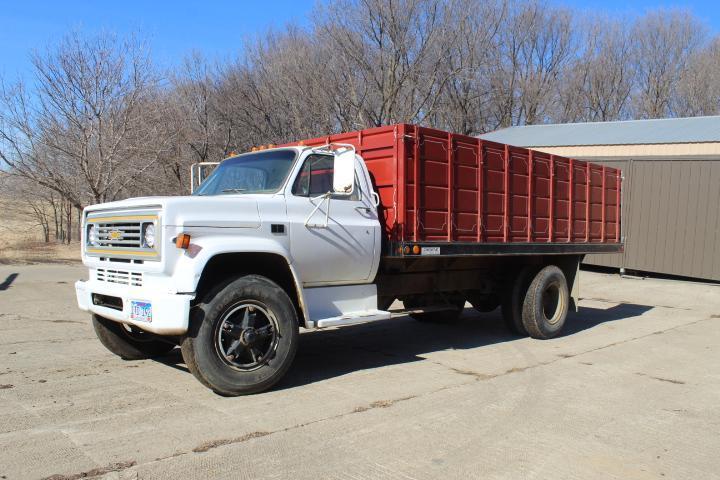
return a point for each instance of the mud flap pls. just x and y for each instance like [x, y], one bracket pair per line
[570, 266]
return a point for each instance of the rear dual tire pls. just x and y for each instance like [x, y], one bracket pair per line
[546, 303]
[537, 303]
[512, 302]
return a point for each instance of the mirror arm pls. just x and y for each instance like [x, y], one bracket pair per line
[322, 198]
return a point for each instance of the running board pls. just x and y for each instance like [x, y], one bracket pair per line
[353, 318]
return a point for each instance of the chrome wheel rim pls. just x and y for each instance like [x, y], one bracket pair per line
[247, 336]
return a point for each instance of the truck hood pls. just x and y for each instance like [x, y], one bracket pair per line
[221, 211]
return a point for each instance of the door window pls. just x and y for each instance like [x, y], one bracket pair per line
[316, 178]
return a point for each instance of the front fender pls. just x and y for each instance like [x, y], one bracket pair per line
[205, 245]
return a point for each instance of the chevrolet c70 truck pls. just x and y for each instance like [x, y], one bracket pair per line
[331, 231]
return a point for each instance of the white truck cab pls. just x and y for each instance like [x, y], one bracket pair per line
[302, 220]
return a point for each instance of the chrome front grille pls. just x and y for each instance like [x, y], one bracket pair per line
[119, 235]
[127, 235]
[122, 277]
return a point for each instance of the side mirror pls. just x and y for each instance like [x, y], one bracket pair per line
[344, 172]
[199, 172]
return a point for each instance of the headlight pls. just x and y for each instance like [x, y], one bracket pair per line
[149, 236]
[92, 235]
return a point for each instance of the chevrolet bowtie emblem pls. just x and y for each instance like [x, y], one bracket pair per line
[115, 235]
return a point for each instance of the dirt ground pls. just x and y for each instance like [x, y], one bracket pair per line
[629, 392]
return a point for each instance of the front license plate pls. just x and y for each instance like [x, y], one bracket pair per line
[141, 311]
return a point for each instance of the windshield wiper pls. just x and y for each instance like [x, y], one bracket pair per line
[233, 190]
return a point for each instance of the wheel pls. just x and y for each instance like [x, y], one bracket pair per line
[243, 337]
[456, 305]
[126, 342]
[546, 303]
[512, 301]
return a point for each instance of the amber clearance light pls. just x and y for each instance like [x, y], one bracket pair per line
[182, 241]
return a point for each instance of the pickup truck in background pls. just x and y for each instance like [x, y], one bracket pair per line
[331, 231]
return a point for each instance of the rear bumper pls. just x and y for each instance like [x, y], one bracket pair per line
[170, 312]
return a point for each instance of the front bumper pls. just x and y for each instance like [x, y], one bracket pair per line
[170, 312]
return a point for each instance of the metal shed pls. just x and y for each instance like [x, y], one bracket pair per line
[671, 212]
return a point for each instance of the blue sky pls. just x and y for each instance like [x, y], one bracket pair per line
[216, 28]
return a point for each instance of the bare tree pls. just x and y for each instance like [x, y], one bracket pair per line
[194, 107]
[664, 42]
[598, 84]
[535, 46]
[698, 89]
[278, 91]
[82, 134]
[390, 56]
[467, 95]
[24, 199]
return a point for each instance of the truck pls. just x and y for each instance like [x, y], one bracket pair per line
[335, 231]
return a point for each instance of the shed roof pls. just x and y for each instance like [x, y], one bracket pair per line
[630, 132]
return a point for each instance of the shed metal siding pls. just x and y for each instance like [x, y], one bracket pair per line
[671, 217]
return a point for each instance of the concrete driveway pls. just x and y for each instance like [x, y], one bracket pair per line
[631, 391]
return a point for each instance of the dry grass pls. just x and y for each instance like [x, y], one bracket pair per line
[39, 252]
[21, 240]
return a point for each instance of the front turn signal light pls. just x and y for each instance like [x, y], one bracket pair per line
[182, 241]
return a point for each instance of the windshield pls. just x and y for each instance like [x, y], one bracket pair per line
[261, 172]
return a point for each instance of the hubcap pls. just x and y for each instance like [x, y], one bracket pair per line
[247, 336]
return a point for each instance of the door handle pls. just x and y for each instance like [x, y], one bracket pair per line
[365, 210]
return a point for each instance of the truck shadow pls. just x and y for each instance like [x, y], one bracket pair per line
[332, 353]
[326, 354]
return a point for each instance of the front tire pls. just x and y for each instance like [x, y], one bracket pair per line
[126, 342]
[243, 338]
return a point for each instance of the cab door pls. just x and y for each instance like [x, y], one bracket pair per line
[333, 239]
